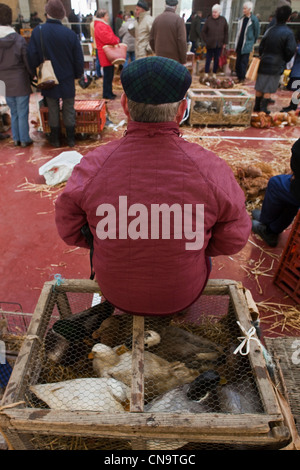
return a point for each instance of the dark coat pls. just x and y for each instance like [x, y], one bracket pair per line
[196, 28]
[14, 69]
[63, 48]
[215, 32]
[168, 36]
[276, 48]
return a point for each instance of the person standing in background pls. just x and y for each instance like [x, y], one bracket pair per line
[195, 30]
[15, 73]
[104, 35]
[215, 37]
[276, 48]
[127, 38]
[141, 28]
[248, 30]
[62, 47]
[168, 34]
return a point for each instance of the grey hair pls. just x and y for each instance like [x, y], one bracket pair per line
[142, 112]
[216, 7]
[248, 5]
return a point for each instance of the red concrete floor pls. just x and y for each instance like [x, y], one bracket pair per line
[31, 251]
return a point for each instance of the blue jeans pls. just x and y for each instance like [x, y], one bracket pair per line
[19, 109]
[130, 55]
[279, 205]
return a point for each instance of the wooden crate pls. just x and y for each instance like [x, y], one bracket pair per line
[90, 117]
[220, 107]
[287, 275]
[29, 424]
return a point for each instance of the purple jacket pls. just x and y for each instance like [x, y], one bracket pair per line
[145, 264]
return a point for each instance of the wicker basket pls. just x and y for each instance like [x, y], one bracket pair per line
[28, 422]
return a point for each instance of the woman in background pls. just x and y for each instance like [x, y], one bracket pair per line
[215, 37]
[15, 73]
[276, 48]
[104, 35]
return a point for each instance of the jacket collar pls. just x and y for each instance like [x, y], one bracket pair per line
[53, 20]
[152, 128]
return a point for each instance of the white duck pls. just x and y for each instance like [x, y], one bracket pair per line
[159, 374]
[84, 394]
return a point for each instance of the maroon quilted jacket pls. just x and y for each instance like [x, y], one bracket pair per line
[145, 264]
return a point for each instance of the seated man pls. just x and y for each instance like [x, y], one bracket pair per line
[157, 206]
[281, 202]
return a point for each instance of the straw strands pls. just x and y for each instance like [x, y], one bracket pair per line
[284, 319]
[43, 189]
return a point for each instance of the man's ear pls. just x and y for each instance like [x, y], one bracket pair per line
[124, 103]
[180, 112]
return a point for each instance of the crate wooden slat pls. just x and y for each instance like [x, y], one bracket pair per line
[20, 423]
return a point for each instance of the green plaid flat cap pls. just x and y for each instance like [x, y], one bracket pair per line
[155, 80]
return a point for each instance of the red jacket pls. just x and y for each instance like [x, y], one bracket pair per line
[152, 165]
[104, 35]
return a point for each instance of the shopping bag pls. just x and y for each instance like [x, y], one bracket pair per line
[253, 69]
[116, 54]
[46, 77]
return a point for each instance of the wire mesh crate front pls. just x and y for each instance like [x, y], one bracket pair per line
[101, 378]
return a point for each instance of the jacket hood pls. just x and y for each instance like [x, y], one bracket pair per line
[7, 38]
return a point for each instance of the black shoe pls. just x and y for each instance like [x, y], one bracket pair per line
[16, 143]
[26, 144]
[112, 97]
[4, 136]
[256, 214]
[290, 107]
[271, 239]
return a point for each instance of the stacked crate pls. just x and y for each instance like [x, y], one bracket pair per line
[287, 276]
[90, 117]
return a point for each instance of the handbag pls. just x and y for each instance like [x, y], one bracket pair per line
[223, 59]
[85, 81]
[46, 77]
[253, 69]
[116, 54]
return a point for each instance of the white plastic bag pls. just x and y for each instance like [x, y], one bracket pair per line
[60, 168]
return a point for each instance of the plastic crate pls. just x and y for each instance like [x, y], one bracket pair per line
[287, 276]
[220, 107]
[29, 422]
[90, 117]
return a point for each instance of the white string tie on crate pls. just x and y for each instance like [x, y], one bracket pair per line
[245, 340]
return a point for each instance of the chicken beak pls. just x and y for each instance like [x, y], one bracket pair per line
[91, 355]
